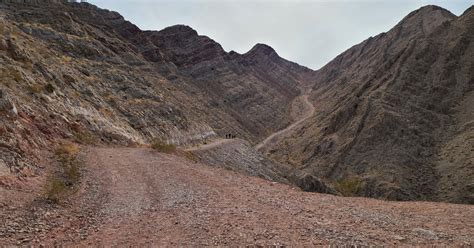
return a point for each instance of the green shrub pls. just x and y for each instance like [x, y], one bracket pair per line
[349, 186]
[163, 147]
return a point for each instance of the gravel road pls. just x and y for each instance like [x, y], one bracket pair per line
[136, 196]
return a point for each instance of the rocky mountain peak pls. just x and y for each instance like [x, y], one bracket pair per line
[424, 20]
[469, 11]
[429, 10]
[468, 15]
[262, 49]
[179, 30]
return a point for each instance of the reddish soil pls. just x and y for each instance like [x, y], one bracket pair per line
[134, 196]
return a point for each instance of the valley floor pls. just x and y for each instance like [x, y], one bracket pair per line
[137, 196]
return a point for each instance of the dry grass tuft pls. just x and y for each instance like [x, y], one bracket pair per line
[163, 147]
[55, 190]
[67, 149]
[59, 185]
[188, 155]
[349, 186]
[85, 138]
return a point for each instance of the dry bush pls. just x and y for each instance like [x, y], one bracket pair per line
[349, 186]
[188, 155]
[35, 89]
[49, 88]
[106, 112]
[65, 59]
[55, 189]
[16, 75]
[162, 146]
[59, 184]
[85, 138]
[67, 149]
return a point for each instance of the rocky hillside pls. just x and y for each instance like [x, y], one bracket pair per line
[74, 71]
[395, 115]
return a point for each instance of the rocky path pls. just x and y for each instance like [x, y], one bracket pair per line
[210, 145]
[134, 196]
[309, 111]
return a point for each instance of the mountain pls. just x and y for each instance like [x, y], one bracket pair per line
[75, 71]
[395, 115]
[392, 115]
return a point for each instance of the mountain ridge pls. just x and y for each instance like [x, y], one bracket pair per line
[386, 106]
[114, 83]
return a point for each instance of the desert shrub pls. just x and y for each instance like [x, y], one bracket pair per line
[65, 59]
[38, 88]
[67, 149]
[59, 184]
[85, 138]
[49, 88]
[16, 75]
[55, 189]
[349, 186]
[106, 112]
[162, 146]
[71, 172]
[188, 155]
[35, 88]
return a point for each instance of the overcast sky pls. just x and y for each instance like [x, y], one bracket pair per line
[310, 33]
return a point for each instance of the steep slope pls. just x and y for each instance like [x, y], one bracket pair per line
[74, 71]
[394, 113]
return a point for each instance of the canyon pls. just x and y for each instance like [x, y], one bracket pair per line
[164, 138]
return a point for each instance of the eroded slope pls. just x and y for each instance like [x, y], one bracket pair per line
[392, 113]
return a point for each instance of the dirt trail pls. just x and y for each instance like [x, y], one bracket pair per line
[138, 197]
[210, 145]
[310, 109]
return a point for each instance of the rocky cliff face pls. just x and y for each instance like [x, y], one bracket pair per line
[74, 71]
[395, 113]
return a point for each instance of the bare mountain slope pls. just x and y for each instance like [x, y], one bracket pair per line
[74, 71]
[395, 113]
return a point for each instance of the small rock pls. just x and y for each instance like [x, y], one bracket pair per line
[399, 238]
[427, 234]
